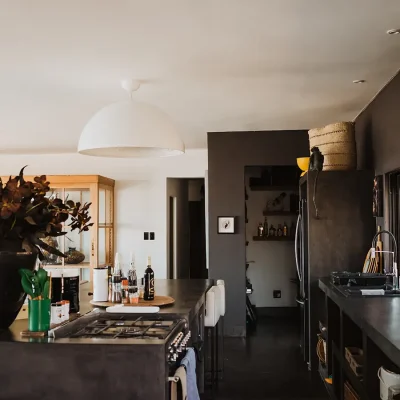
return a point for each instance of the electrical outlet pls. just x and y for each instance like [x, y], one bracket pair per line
[146, 236]
[277, 294]
[152, 235]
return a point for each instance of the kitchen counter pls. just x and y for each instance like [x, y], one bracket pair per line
[377, 317]
[66, 370]
[189, 295]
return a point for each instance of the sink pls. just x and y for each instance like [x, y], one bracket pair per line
[355, 291]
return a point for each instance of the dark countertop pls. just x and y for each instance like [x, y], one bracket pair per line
[189, 295]
[378, 317]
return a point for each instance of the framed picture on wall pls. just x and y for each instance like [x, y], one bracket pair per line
[226, 224]
[377, 199]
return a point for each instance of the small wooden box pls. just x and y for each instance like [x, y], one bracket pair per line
[354, 357]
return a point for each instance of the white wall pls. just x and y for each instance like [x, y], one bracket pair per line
[140, 194]
[274, 261]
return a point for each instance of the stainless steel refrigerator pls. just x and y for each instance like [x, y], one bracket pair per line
[338, 240]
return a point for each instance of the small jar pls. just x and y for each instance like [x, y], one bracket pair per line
[141, 289]
[134, 297]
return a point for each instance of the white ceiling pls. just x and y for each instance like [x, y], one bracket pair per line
[213, 65]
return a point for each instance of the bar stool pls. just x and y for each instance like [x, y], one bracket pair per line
[220, 332]
[211, 318]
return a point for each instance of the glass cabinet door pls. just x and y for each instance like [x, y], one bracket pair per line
[105, 233]
[75, 245]
[91, 249]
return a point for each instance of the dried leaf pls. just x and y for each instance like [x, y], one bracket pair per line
[30, 220]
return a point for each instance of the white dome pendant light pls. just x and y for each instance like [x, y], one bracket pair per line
[130, 129]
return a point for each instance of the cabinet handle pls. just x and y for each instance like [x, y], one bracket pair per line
[92, 249]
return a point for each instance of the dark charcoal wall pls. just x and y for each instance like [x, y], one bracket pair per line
[378, 135]
[378, 131]
[228, 154]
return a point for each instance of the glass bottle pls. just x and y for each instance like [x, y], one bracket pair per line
[279, 232]
[260, 230]
[149, 281]
[141, 289]
[285, 229]
[265, 227]
[116, 289]
[271, 230]
[132, 277]
[117, 265]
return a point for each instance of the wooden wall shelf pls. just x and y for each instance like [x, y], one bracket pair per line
[279, 213]
[273, 239]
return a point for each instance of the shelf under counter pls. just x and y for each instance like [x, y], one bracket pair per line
[370, 324]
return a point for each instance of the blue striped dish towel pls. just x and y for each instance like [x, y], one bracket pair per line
[189, 362]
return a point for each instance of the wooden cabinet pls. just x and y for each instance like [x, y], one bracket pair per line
[97, 245]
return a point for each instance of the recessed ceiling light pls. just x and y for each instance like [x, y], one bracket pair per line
[359, 81]
[393, 31]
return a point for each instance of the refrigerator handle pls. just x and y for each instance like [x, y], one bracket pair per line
[296, 246]
[301, 302]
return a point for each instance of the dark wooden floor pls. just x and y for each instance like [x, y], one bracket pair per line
[268, 365]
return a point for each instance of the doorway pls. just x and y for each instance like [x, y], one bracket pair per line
[186, 228]
[271, 208]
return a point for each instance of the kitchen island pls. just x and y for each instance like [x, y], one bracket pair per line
[371, 324]
[101, 368]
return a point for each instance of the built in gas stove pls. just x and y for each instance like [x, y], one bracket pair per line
[140, 328]
[101, 327]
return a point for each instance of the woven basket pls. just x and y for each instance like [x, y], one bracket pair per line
[337, 143]
[321, 350]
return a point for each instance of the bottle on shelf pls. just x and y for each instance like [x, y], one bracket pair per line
[265, 227]
[272, 231]
[149, 281]
[260, 230]
[285, 229]
[279, 231]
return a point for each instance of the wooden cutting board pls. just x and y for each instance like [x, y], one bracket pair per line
[159, 301]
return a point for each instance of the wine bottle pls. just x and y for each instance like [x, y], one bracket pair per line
[149, 281]
[265, 231]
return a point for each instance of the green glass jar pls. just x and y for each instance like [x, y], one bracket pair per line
[39, 315]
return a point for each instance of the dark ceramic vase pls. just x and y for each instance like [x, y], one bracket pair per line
[12, 296]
